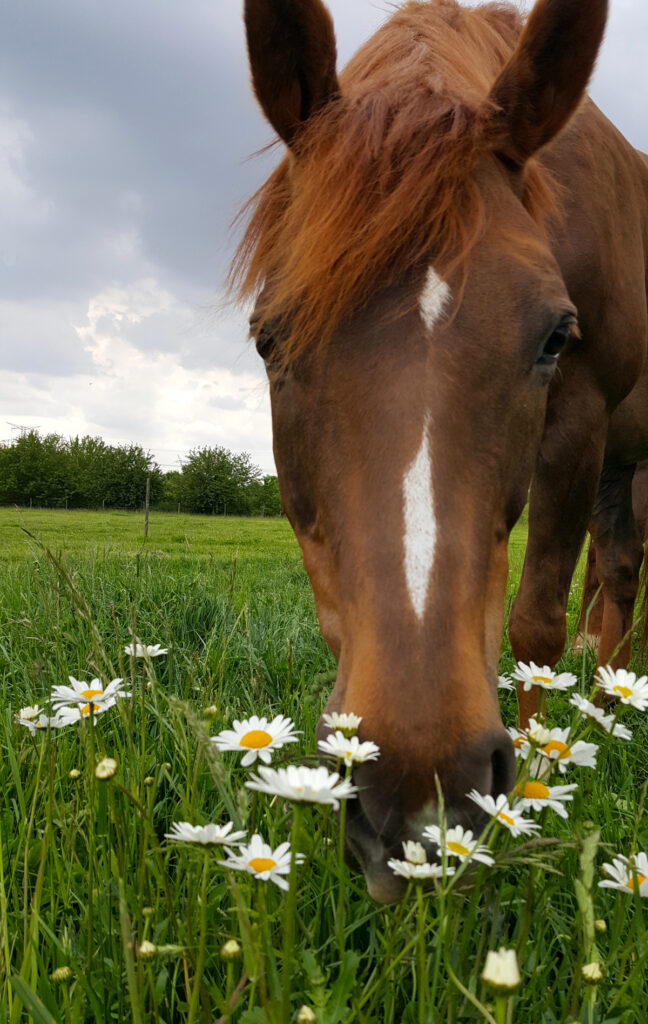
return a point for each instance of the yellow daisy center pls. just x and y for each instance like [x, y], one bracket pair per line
[535, 791]
[463, 851]
[260, 864]
[255, 739]
[506, 818]
[519, 741]
[543, 679]
[556, 746]
[89, 694]
[85, 710]
[624, 691]
[631, 882]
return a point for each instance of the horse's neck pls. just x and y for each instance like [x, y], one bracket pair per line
[604, 180]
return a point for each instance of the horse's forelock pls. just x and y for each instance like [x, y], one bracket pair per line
[382, 178]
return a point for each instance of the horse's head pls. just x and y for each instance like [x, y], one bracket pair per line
[410, 317]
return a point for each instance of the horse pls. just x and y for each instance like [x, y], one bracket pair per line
[449, 275]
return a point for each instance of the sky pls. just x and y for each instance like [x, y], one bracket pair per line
[127, 134]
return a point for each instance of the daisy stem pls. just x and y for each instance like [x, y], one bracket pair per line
[202, 944]
[468, 995]
[91, 838]
[227, 1009]
[422, 983]
[143, 733]
[268, 972]
[339, 918]
[502, 1006]
[440, 940]
[289, 916]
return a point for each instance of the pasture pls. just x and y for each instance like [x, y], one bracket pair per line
[103, 919]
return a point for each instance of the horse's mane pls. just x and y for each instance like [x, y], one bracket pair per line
[382, 177]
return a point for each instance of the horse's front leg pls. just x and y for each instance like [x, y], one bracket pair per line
[590, 620]
[562, 495]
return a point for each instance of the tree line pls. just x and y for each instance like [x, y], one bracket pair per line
[50, 471]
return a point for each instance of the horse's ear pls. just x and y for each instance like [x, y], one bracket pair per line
[545, 79]
[291, 44]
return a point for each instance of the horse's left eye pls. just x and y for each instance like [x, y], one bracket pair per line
[556, 342]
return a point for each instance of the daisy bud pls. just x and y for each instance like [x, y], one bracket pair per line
[61, 975]
[539, 735]
[592, 973]
[501, 970]
[75, 773]
[148, 911]
[146, 949]
[106, 768]
[414, 853]
[600, 925]
[29, 713]
[211, 712]
[231, 950]
[306, 1015]
[149, 780]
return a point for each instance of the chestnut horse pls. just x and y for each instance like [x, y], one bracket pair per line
[449, 268]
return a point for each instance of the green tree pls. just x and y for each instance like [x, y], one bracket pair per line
[215, 480]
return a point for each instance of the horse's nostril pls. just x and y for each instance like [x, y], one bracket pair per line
[502, 768]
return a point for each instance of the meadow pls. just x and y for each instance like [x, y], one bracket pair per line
[104, 919]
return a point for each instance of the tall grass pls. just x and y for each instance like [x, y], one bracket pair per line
[88, 878]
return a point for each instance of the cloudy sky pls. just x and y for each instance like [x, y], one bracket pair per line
[125, 132]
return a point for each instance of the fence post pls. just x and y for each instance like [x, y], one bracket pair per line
[147, 503]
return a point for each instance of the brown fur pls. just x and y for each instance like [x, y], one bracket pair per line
[383, 177]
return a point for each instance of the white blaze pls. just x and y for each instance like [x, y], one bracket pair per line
[418, 498]
[420, 525]
[433, 298]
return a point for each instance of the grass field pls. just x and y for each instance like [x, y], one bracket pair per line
[87, 877]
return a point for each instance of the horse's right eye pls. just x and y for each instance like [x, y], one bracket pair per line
[265, 342]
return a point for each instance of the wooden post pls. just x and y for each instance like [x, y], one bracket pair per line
[146, 503]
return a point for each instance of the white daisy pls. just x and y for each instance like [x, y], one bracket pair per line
[559, 750]
[418, 872]
[520, 742]
[349, 749]
[598, 715]
[511, 817]
[624, 685]
[538, 795]
[207, 835]
[41, 721]
[140, 650]
[260, 860]
[505, 683]
[346, 722]
[309, 785]
[88, 697]
[532, 675]
[257, 737]
[459, 842]
[628, 874]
